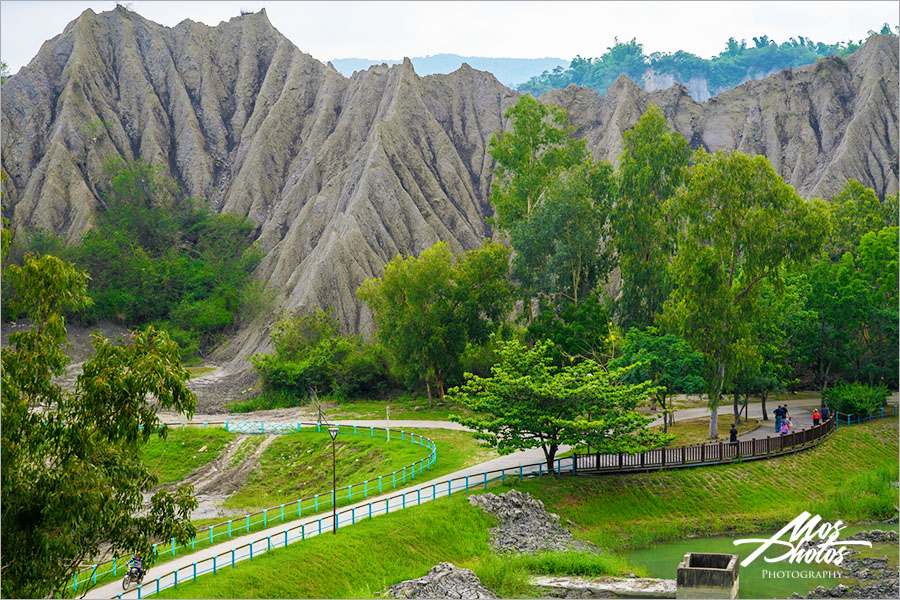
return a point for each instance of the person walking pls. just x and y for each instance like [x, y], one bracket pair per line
[732, 436]
[779, 416]
[784, 427]
[825, 413]
[816, 417]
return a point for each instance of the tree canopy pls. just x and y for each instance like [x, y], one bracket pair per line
[428, 307]
[71, 474]
[527, 402]
[738, 223]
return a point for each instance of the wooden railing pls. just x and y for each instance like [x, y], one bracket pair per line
[702, 454]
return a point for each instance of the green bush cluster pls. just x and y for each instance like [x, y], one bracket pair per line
[312, 357]
[855, 399]
[158, 257]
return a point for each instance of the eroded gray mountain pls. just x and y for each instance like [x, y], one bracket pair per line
[342, 174]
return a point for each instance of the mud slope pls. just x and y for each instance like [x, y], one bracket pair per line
[340, 174]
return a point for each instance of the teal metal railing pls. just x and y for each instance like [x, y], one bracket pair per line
[284, 512]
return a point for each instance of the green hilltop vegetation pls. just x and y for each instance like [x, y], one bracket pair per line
[732, 66]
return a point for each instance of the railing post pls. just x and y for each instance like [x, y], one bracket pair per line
[683, 460]
[663, 456]
[702, 452]
[721, 455]
[485, 479]
[620, 459]
[642, 458]
[214, 561]
[232, 559]
[520, 473]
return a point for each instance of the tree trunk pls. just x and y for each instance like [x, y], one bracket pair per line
[715, 399]
[550, 454]
[737, 411]
[653, 403]
[665, 416]
[765, 415]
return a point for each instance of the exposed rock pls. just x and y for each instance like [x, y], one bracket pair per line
[525, 526]
[877, 577]
[875, 535]
[341, 174]
[442, 581]
[605, 587]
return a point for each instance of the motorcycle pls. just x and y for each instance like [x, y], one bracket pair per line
[132, 576]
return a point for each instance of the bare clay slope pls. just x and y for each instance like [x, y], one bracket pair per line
[342, 174]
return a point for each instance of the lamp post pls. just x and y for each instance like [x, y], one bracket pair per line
[333, 431]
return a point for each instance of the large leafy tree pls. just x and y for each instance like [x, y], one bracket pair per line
[536, 159]
[666, 360]
[527, 402]
[71, 473]
[561, 246]
[855, 211]
[652, 165]
[427, 308]
[529, 157]
[739, 222]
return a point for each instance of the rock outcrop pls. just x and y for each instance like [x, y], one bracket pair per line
[441, 581]
[341, 174]
[526, 526]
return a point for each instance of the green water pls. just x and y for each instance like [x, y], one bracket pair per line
[662, 561]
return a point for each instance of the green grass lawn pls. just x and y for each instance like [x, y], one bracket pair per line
[283, 476]
[179, 454]
[360, 561]
[848, 477]
[298, 465]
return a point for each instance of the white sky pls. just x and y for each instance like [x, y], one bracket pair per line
[392, 30]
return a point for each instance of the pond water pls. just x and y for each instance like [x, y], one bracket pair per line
[662, 561]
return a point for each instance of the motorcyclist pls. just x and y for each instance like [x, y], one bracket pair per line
[138, 564]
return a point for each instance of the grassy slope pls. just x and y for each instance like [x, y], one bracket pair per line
[405, 408]
[848, 477]
[179, 454]
[842, 478]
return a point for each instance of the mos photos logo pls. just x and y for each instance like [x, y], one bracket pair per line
[809, 541]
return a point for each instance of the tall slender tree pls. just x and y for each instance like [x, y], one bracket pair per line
[738, 223]
[652, 166]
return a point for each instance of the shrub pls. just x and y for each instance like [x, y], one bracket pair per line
[855, 399]
[311, 356]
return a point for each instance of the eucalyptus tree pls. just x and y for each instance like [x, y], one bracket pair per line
[738, 223]
[652, 165]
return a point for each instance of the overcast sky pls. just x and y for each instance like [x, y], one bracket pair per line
[392, 30]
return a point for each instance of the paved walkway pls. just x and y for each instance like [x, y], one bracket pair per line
[398, 499]
[391, 502]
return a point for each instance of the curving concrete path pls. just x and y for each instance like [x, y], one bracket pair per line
[800, 409]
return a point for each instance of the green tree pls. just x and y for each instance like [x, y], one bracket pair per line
[529, 403]
[529, 158]
[578, 332]
[561, 254]
[855, 211]
[427, 308]
[739, 222]
[652, 166]
[666, 360]
[71, 473]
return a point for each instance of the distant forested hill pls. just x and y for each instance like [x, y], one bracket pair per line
[739, 62]
[508, 71]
